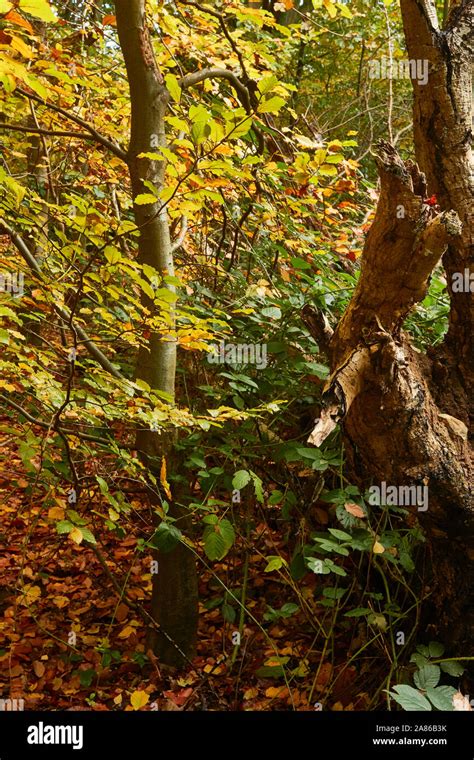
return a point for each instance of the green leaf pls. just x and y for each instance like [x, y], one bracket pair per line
[4, 337]
[272, 105]
[218, 539]
[86, 676]
[454, 669]
[173, 87]
[87, 535]
[267, 83]
[145, 199]
[427, 676]
[358, 612]
[274, 563]
[228, 613]
[441, 697]
[272, 311]
[241, 479]
[340, 534]
[409, 698]
[64, 526]
[436, 649]
[257, 486]
[166, 537]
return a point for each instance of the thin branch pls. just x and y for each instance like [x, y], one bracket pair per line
[109, 144]
[23, 249]
[48, 132]
[182, 234]
[47, 425]
[221, 18]
[189, 80]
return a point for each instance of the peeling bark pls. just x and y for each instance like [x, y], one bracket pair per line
[380, 387]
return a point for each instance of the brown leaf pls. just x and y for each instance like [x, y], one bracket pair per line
[39, 668]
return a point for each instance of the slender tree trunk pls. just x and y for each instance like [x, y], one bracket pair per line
[406, 416]
[174, 596]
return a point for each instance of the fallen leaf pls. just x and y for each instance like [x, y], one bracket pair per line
[39, 668]
[139, 699]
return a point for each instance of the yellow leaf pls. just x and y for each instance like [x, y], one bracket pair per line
[56, 513]
[30, 594]
[139, 699]
[163, 480]
[126, 632]
[378, 548]
[331, 8]
[118, 699]
[276, 692]
[76, 535]
[61, 601]
[38, 9]
[18, 44]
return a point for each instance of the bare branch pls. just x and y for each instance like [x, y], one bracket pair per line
[182, 234]
[189, 80]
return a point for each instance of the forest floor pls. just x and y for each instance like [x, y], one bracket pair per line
[68, 641]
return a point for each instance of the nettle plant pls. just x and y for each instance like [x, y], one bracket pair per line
[428, 693]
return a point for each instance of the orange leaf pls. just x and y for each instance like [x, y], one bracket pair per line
[109, 20]
[163, 480]
[354, 510]
[39, 668]
[15, 18]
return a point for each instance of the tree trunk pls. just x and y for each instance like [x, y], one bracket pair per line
[406, 416]
[174, 596]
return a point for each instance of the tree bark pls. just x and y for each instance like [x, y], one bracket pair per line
[406, 416]
[174, 595]
[381, 388]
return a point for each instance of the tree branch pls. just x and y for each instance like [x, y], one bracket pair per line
[221, 18]
[104, 141]
[48, 132]
[48, 425]
[23, 249]
[189, 80]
